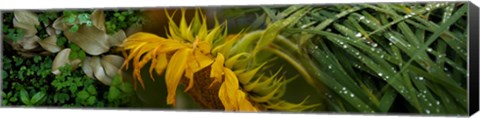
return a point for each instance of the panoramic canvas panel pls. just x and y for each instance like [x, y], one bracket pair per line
[396, 58]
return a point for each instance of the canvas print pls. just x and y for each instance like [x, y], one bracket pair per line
[394, 58]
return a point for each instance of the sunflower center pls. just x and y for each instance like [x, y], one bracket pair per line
[201, 91]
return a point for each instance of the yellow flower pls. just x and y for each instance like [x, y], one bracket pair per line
[189, 50]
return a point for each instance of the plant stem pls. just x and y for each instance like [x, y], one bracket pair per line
[300, 68]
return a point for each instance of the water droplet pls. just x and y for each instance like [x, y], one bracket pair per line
[438, 102]
[357, 53]
[407, 16]
[374, 44]
[381, 56]
[345, 46]
[304, 26]
[429, 104]
[358, 35]
[344, 88]
[420, 78]
[380, 74]
[362, 17]
[329, 66]
[351, 95]
[427, 111]
[428, 8]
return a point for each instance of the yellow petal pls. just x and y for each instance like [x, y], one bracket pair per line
[204, 47]
[191, 68]
[189, 75]
[174, 73]
[217, 68]
[193, 63]
[143, 61]
[202, 60]
[244, 104]
[171, 45]
[232, 85]
[140, 37]
[154, 62]
[133, 54]
[161, 64]
[223, 96]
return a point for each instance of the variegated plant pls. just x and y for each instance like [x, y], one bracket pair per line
[92, 39]
[95, 41]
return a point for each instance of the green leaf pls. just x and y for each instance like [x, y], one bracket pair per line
[83, 18]
[37, 59]
[38, 97]
[91, 89]
[274, 29]
[62, 97]
[121, 18]
[91, 100]
[113, 93]
[82, 55]
[4, 74]
[116, 80]
[70, 19]
[126, 87]
[83, 95]
[24, 97]
[73, 88]
[387, 100]
[13, 99]
[74, 28]
[61, 41]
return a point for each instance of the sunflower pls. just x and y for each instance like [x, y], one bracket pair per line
[216, 75]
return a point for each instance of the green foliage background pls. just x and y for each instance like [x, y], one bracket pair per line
[379, 58]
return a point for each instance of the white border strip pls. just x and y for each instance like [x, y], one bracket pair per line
[49, 4]
[83, 113]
